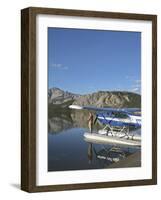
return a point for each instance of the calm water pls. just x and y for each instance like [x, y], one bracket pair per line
[67, 149]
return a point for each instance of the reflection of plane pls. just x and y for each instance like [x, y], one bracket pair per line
[107, 154]
[116, 125]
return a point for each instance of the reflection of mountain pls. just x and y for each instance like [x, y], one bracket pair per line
[59, 122]
[80, 118]
[116, 99]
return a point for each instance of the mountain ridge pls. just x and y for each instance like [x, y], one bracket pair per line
[117, 99]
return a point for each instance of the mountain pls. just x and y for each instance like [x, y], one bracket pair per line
[58, 96]
[117, 99]
[114, 99]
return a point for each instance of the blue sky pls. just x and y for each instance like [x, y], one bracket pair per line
[84, 61]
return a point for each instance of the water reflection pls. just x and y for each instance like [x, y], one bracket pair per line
[90, 153]
[107, 154]
[60, 122]
[67, 149]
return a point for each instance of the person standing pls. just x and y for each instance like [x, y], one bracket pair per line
[90, 122]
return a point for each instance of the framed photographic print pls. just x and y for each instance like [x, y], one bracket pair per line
[88, 99]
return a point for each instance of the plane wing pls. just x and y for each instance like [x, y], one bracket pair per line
[93, 108]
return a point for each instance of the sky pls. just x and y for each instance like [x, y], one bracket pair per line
[83, 61]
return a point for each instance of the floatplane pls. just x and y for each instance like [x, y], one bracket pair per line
[117, 123]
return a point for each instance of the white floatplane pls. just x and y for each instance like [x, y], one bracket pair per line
[117, 122]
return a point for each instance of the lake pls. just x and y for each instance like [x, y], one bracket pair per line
[68, 150]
